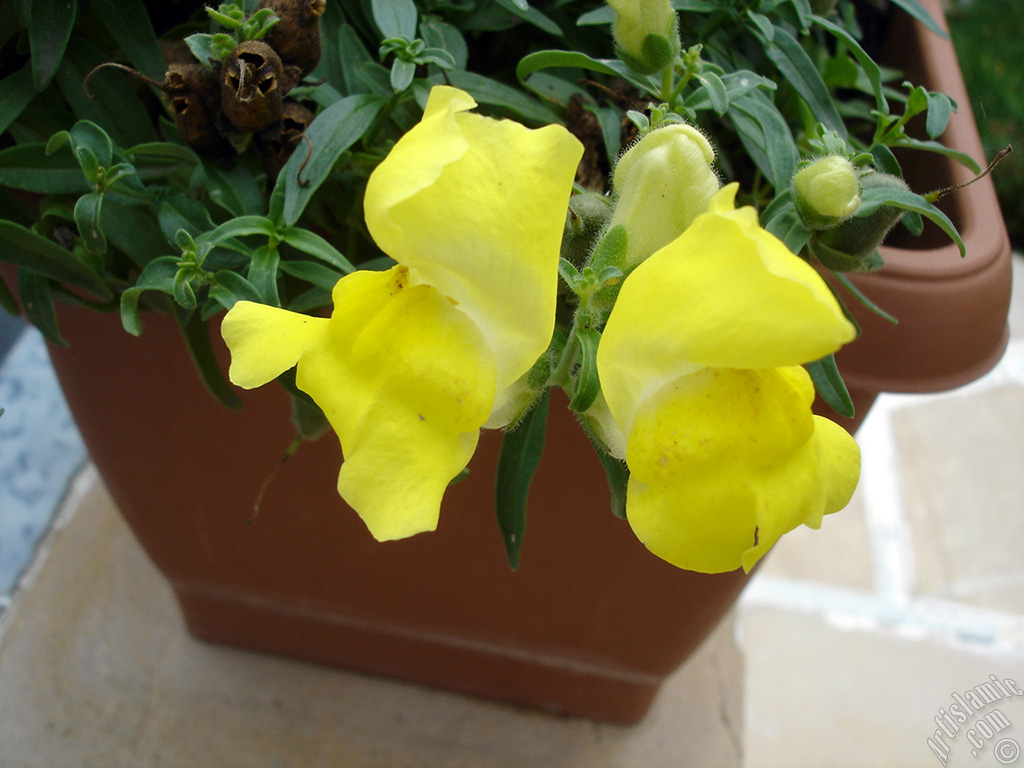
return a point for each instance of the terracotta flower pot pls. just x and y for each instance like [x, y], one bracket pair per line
[590, 624]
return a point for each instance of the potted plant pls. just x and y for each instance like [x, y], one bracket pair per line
[483, 215]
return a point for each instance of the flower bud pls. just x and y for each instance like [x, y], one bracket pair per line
[296, 36]
[826, 192]
[662, 183]
[851, 246]
[646, 33]
[587, 218]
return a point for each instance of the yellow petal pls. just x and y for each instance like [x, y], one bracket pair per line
[406, 381]
[476, 208]
[725, 293]
[266, 341]
[723, 462]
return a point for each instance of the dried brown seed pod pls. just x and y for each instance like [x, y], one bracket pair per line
[296, 37]
[277, 143]
[193, 95]
[251, 87]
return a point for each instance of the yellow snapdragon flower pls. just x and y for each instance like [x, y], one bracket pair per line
[704, 398]
[414, 361]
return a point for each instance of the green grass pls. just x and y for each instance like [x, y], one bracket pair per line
[989, 40]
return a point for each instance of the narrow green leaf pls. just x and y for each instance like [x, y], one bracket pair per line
[789, 228]
[886, 161]
[136, 233]
[798, 69]
[439, 34]
[314, 245]
[230, 287]
[617, 474]
[402, 73]
[395, 18]
[873, 199]
[871, 69]
[736, 84]
[197, 339]
[766, 136]
[532, 16]
[262, 274]
[539, 60]
[716, 91]
[933, 146]
[158, 275]
[49, 33]
[919, 12]
[520, 455]
[37, 302]
[763, 25]
[312, 272]
[940, 109]
[87, 218]
[129, 24]
[352, 55]
[239, 227]
[28, 167]
[849, 285]
[588, 385]
[830, 385]
[332, 132]
[25, 248]
[234, 189]
[180, 211]
[16, 91]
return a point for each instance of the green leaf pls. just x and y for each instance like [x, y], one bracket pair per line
[184, 294]
[402, 73]
[37, 303]
[239, 227]
[717, 94]
[830, 385]
[789, 228]
[332, 132]
[873, 199]
[182, 212]
[395, 18]
[158, 275]
[87, 218]
[766, 136]
[85, 134]
[588, 385]
[919, 12]
[28, 167]
[763, 25]
[535, 62]
[137, 232]
[796, 66]
[933, 146]
[312, 272]
[849, 285]
[495, 94]
[520, 456]
[129, 24]
[228, 288]
[532, 16]
[885, 160]
[439, 34]
[352, 55]
[16, 91]
[235, 189]
[736, 84]
[197, 339]
[940, 109]
[314, 245]
[202, 47]
[24, 248]
[871, 69]
[617, 474]
[262, 274]
[49, 33]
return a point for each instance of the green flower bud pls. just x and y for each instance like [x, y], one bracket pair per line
[588, 214]
[646, 33]
[851, 246]
[826, 192]
[662, 183]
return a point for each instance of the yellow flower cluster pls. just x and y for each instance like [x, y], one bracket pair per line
[702, 393]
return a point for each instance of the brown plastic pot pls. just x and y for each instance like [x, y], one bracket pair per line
[590, 624]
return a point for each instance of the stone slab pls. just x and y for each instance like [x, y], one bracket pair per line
[97, 670]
